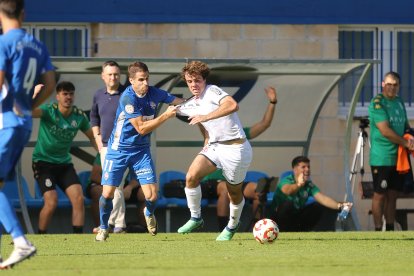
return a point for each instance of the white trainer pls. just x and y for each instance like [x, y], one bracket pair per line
[102, 235]
[151, 223]
[18, 255]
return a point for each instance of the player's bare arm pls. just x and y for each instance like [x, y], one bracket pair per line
[259, 127]
[227, 106]
[144, 127]
[91, 138]
[1, 78]
[37, 113]
[177, 101]
[97, 135]
[388, 133]
[49, 82]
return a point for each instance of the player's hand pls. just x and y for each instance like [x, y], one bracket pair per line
[271, 93]
[98, 142]
[301, 180]
[197, 119]
[37, 90]
[349, 204]
[409, 144]
[171, 111]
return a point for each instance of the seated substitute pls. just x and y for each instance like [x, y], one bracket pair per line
[52, 163]
[132, 191]
[289, 208]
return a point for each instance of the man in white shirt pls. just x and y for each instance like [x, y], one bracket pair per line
[225, 146]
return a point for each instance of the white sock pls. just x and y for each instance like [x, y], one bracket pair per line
[21, 242]
[194, 201]
[235, 214]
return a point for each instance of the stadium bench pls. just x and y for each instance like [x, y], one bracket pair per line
[11, 191]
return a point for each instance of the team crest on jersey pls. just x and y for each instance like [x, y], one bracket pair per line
[216, 90]
[377, 106]
[74, 124]
[48, 182]
[384, 184]
[19, 46]
[153, 105]
[129, 109]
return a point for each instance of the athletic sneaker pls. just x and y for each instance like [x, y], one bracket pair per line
[191, 225]
[227, 234]
[151, 223]
[19, 254]
[102, 235]
[96, 229]
[119, 230]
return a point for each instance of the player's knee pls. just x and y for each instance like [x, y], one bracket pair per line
[153, 197]
[50, 203]
[108, 193]
[192, 180]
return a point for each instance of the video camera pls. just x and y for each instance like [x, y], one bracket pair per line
[363, 121]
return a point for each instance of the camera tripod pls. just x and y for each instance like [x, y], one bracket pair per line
[358, 159]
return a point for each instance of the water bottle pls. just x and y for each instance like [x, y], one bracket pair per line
[344, 212]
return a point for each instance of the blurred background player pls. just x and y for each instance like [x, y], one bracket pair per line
[24, 62]
[291, 208]
[52, 162]
[388, 121]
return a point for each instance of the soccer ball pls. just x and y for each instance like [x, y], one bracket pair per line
[265, 231]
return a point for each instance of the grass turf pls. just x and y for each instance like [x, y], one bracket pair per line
[328, 253]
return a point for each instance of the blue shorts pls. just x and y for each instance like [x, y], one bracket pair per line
[139, 162]
[12, 142]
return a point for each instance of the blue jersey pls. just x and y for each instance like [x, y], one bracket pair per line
[24, 60]
[124, 136]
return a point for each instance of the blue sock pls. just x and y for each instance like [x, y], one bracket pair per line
[8, 218]
[105, 209]
[150, 207]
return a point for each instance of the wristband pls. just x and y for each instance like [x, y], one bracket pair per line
[274, 102]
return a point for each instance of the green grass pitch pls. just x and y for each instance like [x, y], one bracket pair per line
[319, 253]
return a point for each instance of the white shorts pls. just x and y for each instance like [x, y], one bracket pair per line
[234, 160]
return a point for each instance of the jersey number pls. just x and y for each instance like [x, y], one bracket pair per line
[30, 75]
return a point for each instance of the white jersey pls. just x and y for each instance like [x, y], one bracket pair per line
[221, 129]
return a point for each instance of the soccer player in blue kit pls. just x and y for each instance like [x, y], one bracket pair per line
[129, 144]
[24, 62]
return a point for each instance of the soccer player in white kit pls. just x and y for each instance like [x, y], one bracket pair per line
[225, 146]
